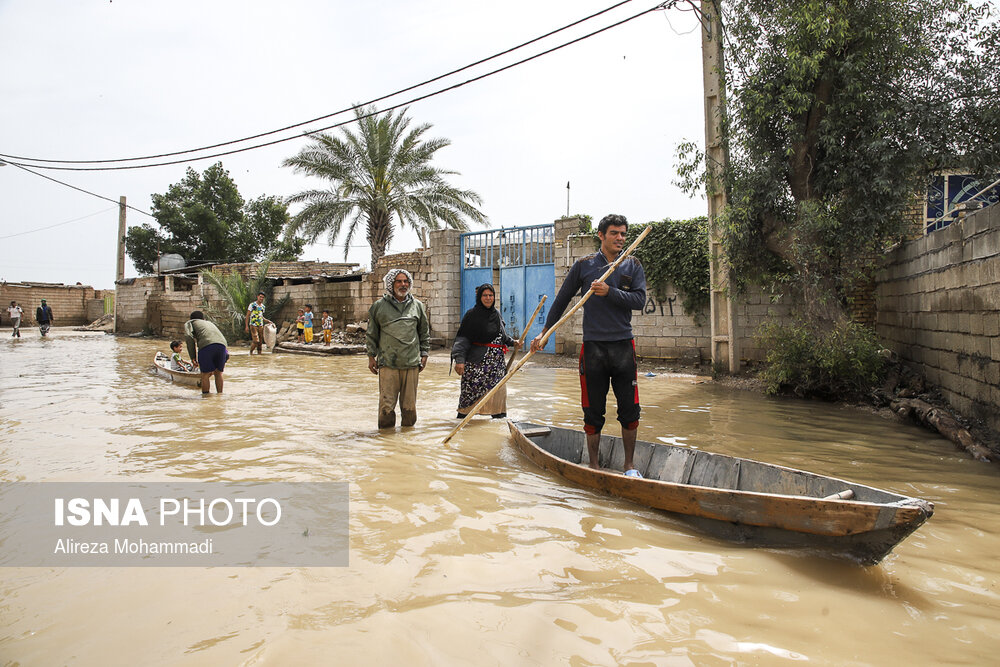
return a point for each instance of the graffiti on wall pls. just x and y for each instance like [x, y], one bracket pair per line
[654, 305]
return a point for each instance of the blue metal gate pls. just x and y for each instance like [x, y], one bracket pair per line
[519, 261]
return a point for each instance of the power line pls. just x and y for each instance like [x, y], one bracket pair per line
[335, 113]
[663, 5]
[58, 224]
[92, 194]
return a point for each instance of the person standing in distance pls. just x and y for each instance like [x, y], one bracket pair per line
[398, 342]
[207, 348]
[607, 355]
[43, 315]
[15, 313]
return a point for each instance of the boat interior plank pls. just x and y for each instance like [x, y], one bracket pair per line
[717, 472]
[670, 464]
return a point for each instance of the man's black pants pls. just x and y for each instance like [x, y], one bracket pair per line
[605, 364]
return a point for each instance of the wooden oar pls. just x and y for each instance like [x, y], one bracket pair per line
[524, 334]
[545, 338]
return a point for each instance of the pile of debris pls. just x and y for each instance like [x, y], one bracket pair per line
[102, 323]
[349, 341]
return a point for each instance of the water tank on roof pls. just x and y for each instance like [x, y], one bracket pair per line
[169, 262]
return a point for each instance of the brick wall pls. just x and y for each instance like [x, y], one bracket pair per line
[72, 305]
[939, 307]
[289, 269]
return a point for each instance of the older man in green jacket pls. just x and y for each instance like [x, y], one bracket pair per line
[398, 341]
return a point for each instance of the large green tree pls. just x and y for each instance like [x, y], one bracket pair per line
[838, 113]
[378, 175]
[204, 218]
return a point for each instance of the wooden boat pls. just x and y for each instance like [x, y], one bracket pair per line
[161, 364]
[738, 499]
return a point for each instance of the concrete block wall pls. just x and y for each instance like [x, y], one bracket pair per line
[939, 307]
[754, 308]
[289, 269]
[444, 266]
[346, 301]
[72, 305]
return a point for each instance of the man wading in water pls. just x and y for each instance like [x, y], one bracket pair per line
[43, 315]
[207, 348]
[255, 324]
[607, 355]
[398, 341]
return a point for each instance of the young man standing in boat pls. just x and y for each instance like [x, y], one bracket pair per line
[398, 342]
[206, 346]
[607, 354]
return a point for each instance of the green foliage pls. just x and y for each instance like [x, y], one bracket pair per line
[204, 218]
[839, 112]
[378, 174]
[237, 293]
[676, 253]
[833, 364]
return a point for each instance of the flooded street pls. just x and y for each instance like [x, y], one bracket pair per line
[466, 553]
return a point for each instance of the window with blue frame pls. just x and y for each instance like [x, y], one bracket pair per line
[945, 192]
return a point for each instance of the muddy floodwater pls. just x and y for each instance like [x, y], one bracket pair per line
[467, 554]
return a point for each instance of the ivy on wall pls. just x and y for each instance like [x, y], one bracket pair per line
[676, 253]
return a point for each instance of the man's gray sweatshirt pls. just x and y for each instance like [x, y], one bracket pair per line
[605, 318]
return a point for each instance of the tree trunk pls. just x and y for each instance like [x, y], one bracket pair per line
[941, 421]
[379, 235]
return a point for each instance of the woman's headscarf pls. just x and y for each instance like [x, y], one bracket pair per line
[390, 278]
[481, 324]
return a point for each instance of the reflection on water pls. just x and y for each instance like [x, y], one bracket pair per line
[466, 553]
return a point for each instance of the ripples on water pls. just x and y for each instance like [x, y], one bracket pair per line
[466, 553]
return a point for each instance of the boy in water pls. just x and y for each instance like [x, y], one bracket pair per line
[176, 363]
[327, 327]
[255, 324]
[307, 322]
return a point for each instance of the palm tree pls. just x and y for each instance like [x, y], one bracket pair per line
[236, 293]
[381, 171]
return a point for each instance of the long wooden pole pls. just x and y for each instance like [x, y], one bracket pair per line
[545, 338]
[524, 334]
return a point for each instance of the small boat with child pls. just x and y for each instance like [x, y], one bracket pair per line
[734, 498]
[161, 364]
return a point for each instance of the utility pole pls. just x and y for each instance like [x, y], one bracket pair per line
[120, 271]
[120, 274]
[567, 199]
[725, 352]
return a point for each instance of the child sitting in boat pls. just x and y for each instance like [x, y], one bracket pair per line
[176, 363]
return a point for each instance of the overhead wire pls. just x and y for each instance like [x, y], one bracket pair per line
[78, 189]
[660, 6]
[58, 224]
[330, 115]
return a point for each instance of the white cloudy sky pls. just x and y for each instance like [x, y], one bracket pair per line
[93, 79]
